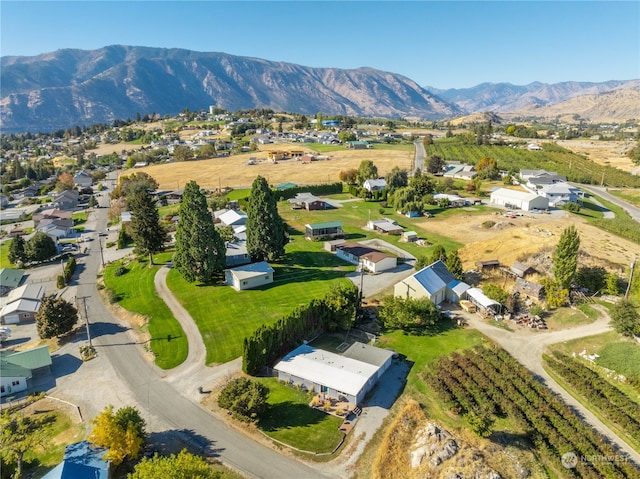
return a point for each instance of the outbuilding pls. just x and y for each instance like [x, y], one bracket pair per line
[249, 276]
[522, 200]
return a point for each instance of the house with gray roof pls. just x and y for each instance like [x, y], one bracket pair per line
[10, 278]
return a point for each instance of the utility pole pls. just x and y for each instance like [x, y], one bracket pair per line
[86, 315]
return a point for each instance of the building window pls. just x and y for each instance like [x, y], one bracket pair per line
[244, 283]
[15, 383]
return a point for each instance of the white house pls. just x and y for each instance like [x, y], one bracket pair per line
[375, 185]
[18, 367]
[522, 200]
[433, 282]
[249, 276]
[560, 193]
[346, 377]
[368, 258]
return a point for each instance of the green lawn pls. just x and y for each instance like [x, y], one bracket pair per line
[622, 357]
[289, 419]
[631, 196]
[239, 194]
[4, 255]
[137, 294]
[226, 316]
[563, 318]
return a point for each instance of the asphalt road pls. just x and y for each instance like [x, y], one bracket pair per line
[420, 153]
[633, 211]
[158, 399]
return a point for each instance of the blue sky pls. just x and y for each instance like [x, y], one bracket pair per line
[451, 44]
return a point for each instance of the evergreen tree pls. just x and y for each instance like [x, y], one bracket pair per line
[565, 257]
[438, 253]
[40, 247]
[200, 251]
[266, 235]
[17, 250]
[55, 317]
[454, 265]
[145, 228]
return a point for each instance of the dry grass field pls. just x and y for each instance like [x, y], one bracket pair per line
[610, 153]
[511, 239]
[235, 171]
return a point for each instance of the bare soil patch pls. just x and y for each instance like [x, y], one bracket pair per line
[234, 171]
[512, 239]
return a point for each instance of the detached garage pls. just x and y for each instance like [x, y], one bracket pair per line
[249, 276]
[521, 200]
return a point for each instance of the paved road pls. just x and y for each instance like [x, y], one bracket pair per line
[161, 402]
[420, 154]
[527, 346]
[633, 211]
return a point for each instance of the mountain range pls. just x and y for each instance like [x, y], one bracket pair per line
[69, 87]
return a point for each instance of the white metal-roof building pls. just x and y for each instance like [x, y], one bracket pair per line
[477, 297]
[249, 276]
[337, 376]
[522, 200]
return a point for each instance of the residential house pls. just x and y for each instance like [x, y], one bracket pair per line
[433, 282]
[232, 218]
[249, 276]
[515, 199]
[51, 213]
[358, 145]
[348, 377]
[17, 368]
[538, 182]
[375, 185]
[67, 200]
[308, 201]
[83, 179]
[385, 226]
[462, 172]
[454, 200]
[56, 228]
[10, 278]
[370, 259]
[82, 460]
[560, 193]
[526, 174]
[236, 253]
[321, 231]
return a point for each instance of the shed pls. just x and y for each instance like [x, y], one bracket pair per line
[332, 244]
[320, 231]
[521, 270]
[409, 236]
[385, 226]
[529, 289]
[487, 264]
[482, 301]
[249, 276]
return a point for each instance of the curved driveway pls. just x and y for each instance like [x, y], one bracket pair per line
[527, 346]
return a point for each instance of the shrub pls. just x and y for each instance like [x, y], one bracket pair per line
[60, 282]
[245, 398]
[120, 271]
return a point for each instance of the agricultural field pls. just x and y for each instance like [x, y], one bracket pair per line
[234, 171]
[489, 383]
[609, 153]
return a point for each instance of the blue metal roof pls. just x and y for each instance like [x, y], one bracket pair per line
[81, 460]
[434, 277]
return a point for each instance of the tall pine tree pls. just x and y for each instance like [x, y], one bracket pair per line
[145, 228]
[200, 251]
[565, 257]
[266, 235]
[454, 265]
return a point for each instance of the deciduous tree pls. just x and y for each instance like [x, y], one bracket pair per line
[245, 398]
[414, 316]
[19, 434]
[435, 165]
[266, 235]
[366, 171]
[200, 251]
[454, 265]
[65, 182]
[40, 247]
[145, 228]
[55, 317]
[625, 318]
[349, 176]
[122, 434]
[182, 466]
[17, 250]
[397, 178]
[182, 153]
[565, 257]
